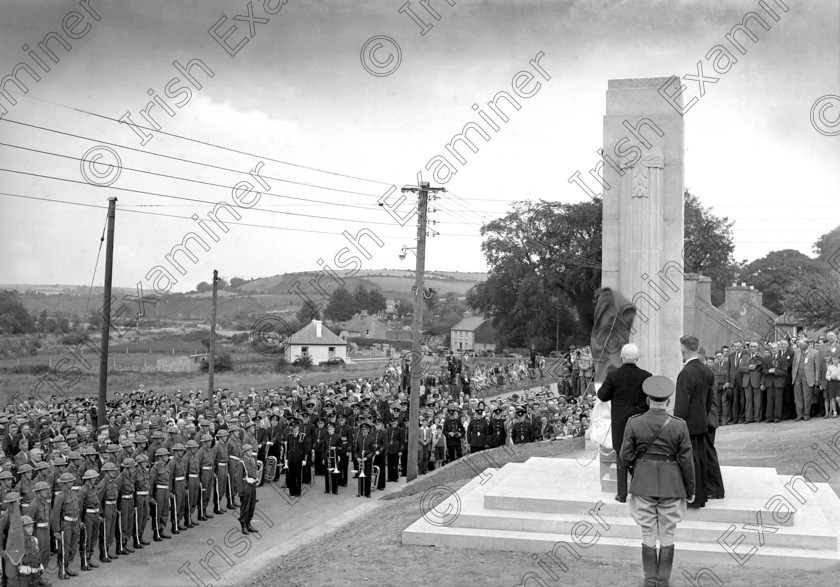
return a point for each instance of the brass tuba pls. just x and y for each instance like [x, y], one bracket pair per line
[374, 480]
[270, 468]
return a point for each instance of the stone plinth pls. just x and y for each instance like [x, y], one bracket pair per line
[554, 505]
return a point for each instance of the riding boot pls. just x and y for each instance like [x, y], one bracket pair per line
[649, 565]
[666, 561]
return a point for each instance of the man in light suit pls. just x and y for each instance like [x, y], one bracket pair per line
[735, 383]
[805, 375]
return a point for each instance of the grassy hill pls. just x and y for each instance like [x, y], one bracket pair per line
[258, 296]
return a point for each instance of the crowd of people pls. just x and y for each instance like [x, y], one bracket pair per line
[794, 378]
[71, 484]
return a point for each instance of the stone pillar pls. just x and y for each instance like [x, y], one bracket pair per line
[643, 215]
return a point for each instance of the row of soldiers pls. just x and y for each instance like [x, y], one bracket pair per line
[105, 502]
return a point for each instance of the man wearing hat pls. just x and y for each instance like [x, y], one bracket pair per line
[380, 445]
[521, 430]
[477, 431]
[39, 511]
[179, 486]
[298, 447]
[64, 521]
[364, 450]
[109, 494]
[234, 449]
[193, 483]
[332, 445]
[28, 568]
[159, 480]
[220, 462]
[204, 459]
[248, 497]
[623, 387]
[89, 526]
[393, 447]
[125, 482]
[496, 433]
[658, 447]
[141, 499]
[453, 431]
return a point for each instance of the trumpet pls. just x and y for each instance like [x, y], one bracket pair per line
[332, 461]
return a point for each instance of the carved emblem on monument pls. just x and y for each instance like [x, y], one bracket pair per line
[640, 174]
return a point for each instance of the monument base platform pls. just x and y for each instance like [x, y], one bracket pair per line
[556, 505]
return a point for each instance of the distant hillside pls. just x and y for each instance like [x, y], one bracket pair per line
[258, 296]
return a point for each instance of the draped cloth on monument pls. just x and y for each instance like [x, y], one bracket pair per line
[611, 329]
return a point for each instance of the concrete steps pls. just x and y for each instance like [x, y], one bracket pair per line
[553, 503]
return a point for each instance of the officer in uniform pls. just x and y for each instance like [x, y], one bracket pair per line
[298, 447]
[141, 499]
[89, 527]
[204, 459]
[193, 483]
[453, 430]
[658, 447]
[64, 520]
[220, 461]
[379, 447]
[110, 495]
[496, 434]
[159, 476]
[179, 486]
[521, 430]
[39, 511]
[364, 450]
[125, 481]
[248, 496]
[332, 441]
[396, 439]
[477, 432]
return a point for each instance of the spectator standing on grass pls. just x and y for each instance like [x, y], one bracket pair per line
[804, 375]
[660, 449]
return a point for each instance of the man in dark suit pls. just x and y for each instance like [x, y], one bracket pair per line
[735, 386]
[623, 387]
[693, 403]
[775, 373]
[750, 367]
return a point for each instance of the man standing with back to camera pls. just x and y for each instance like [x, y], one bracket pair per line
[623, 387]
[659, 447]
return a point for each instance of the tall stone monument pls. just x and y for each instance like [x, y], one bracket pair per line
[643, 214]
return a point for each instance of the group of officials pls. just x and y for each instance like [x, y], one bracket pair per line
[672, 459]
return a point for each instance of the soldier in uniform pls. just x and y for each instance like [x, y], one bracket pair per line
[235, 473]
[248, 497]
[496, 434]
[477, 432]
[364, 450]
[109, 491]
[453, 430]
[379, 448]
[125, 481]
[141, 499]
[393, 447]
[220, 461]
[64, 520]
[319, 435]
[25, 486]
[347, 435]
[39, 511]
[205, 464]
[179, 486]
[298, 448]
[658, 447]
[159, 476]
[193, 483]
[89, 526]
[27, 570]
[521, 430]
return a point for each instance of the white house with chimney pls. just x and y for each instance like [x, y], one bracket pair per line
[315, 341]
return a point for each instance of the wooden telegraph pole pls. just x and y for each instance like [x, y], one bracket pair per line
[417, 326]
[101, 416]
[212, 354]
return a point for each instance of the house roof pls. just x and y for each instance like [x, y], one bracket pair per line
[306, 335]
[469, 323]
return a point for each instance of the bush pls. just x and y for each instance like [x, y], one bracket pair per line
[221, 363]
[304, 362]
[281, 365]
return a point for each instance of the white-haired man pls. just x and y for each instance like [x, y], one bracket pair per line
[623, 387]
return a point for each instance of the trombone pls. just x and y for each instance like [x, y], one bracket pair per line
[332, 461]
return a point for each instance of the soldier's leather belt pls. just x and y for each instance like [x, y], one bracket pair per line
[181, 478]
[129, 496]
[142, 493]
[661, 458]
[193, 475]
[43, 524]
[69, 519]
[92, 510]
[113, 502]
[162, 486]
[206, 468]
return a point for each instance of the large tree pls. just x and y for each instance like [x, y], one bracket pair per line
[543, 251]
[341, 306]
[779, 272]
[14, 319]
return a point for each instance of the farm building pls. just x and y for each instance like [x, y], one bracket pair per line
[363, 325]
[315, 341]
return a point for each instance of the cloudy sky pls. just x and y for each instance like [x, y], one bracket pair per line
[332, 138]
